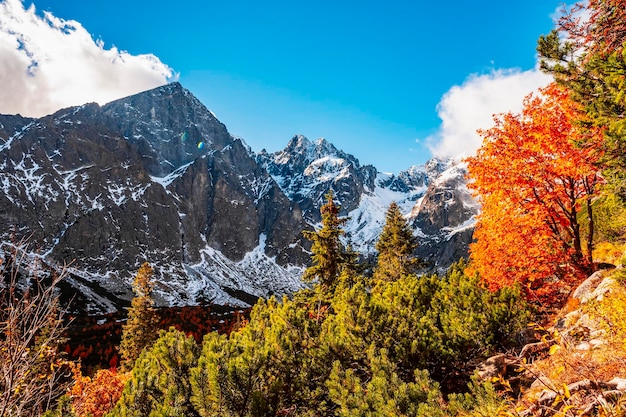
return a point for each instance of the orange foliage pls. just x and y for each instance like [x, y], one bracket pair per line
[94, 397]
[531, 179]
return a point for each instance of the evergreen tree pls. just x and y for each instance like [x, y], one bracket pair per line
[427, 322]
[329, 255]
[139, 331]
[395, 247]
[267, 368]
[379, 391]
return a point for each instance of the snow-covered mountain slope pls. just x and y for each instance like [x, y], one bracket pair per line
[307, 170]
[367, 220]
[156, 177]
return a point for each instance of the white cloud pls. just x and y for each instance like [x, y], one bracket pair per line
[47, 63]
[471, 106]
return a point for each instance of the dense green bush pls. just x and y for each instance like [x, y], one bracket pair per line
[355, 351]
[160, 381]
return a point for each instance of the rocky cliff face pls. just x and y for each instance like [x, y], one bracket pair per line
[156, 177]
[444, 218]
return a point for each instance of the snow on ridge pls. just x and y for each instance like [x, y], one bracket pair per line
[453, 171]
[17, 135]
[328, 168]
[169, 178]
[415, 169]
[467, 224]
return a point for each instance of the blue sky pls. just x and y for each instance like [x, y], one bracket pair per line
[389, 83]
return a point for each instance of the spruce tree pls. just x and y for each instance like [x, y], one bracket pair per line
[140, 329]
[395, 247]
[329, 254]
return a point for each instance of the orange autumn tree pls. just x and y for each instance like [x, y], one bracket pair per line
[595, 27]
[533, 180]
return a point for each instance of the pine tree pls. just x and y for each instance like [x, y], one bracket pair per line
[140, 330]
[378, 390]
[395, 247]
[329, 254]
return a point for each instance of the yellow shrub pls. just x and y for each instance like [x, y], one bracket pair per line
[609, 252]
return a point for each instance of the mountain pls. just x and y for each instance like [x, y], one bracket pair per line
[156, 177]
[305, 171]
[434, 197]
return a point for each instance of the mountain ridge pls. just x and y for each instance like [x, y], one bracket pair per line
[156, 176]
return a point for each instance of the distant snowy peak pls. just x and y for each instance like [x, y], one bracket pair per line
[407, 189]
[301, 152]
[416, 178]
[305, 171]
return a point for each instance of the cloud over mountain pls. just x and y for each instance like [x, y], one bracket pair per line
[471, 106]
[49, 63]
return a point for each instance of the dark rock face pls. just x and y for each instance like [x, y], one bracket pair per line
[156, 177]
[168, 126]
[151, 177]
[11, 124]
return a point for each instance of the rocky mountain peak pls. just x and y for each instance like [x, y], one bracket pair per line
[169, 126]
[306, 171]
[298, 144]
[415, 178]
[325, 148]
[301, 151]
[446, 213]
[10, 124]
[436, 166]
[151, 177]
